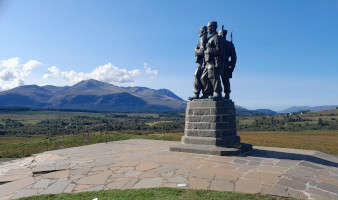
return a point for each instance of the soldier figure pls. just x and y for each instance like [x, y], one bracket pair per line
[199, 56]
[212, 56]
[216, 58]
[229, 59]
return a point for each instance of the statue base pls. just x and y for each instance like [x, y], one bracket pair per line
[210, 128]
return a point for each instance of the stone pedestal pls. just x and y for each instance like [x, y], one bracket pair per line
[210, 128]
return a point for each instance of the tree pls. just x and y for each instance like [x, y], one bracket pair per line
[320, 122]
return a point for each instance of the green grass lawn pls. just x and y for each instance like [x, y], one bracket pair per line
[323, 141]
[17, 147]
[156, 194]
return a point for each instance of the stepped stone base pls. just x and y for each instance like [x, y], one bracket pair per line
[210, 128]
[212, 149]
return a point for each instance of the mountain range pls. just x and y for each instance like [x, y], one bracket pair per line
[312, 109]
[100, 96]
[93, 95]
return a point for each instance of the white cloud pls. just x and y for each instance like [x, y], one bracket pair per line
[7, 74]
[149, 70]
[12, 73]
[30, 65]
[74, 77]
[52, 71]
[10, 63]
[107, 73]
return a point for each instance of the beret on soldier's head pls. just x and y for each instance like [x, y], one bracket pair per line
[203, 28]
[222, 32]
[213, 23]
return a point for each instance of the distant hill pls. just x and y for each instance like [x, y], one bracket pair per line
[332, 112]
[93, 95]
[266, 111]
[100, 96]
[243, 111]
[313, 109]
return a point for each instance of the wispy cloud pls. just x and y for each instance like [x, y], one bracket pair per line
[149, 70]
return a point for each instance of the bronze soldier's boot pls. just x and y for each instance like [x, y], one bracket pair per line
[216, 96]
[227, 96]
[194, 97]
[204, 96]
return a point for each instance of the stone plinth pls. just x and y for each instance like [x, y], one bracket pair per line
[210, 128]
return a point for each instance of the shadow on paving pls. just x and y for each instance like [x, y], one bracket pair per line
[317, 158]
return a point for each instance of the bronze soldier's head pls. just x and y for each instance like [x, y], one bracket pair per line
[212, 27]
[203, 31]
[222, 33]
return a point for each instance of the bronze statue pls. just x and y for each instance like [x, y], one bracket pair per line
[216, 58]
[212, 56]
[229, 59]
[199, 59]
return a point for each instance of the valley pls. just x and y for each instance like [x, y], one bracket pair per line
[23, 133]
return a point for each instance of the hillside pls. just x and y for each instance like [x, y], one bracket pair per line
[329, 113]
[312, 109]
[93, 95]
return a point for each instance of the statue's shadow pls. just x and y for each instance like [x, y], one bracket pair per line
[317, 158]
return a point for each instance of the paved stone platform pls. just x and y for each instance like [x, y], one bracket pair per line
[149, 163]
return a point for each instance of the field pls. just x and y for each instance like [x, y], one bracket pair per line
[29, 132]
[323, 141]
[54, 130]
[54, 123]
[15, 147]
[300, 121]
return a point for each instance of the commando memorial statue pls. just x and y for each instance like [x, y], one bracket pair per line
[210, 122]
[216, 58]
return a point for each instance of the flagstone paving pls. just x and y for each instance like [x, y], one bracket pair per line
[149, 163]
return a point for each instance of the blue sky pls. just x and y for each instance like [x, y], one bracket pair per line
[287, 50]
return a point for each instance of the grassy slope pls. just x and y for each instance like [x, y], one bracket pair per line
[155, 193]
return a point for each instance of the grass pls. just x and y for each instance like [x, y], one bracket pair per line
[17, 147]
[247, 122]
[165, 136]
[154, 193]
[155, 123]
[323, 141]
[29, 122]
[304, 122]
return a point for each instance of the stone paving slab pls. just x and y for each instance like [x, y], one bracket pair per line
[149, 163]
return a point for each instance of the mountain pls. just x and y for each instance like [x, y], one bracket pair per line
[315, 108]
[93, 95]
[96, 95]
[169, 94]
[241, 111]
[266, 111]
